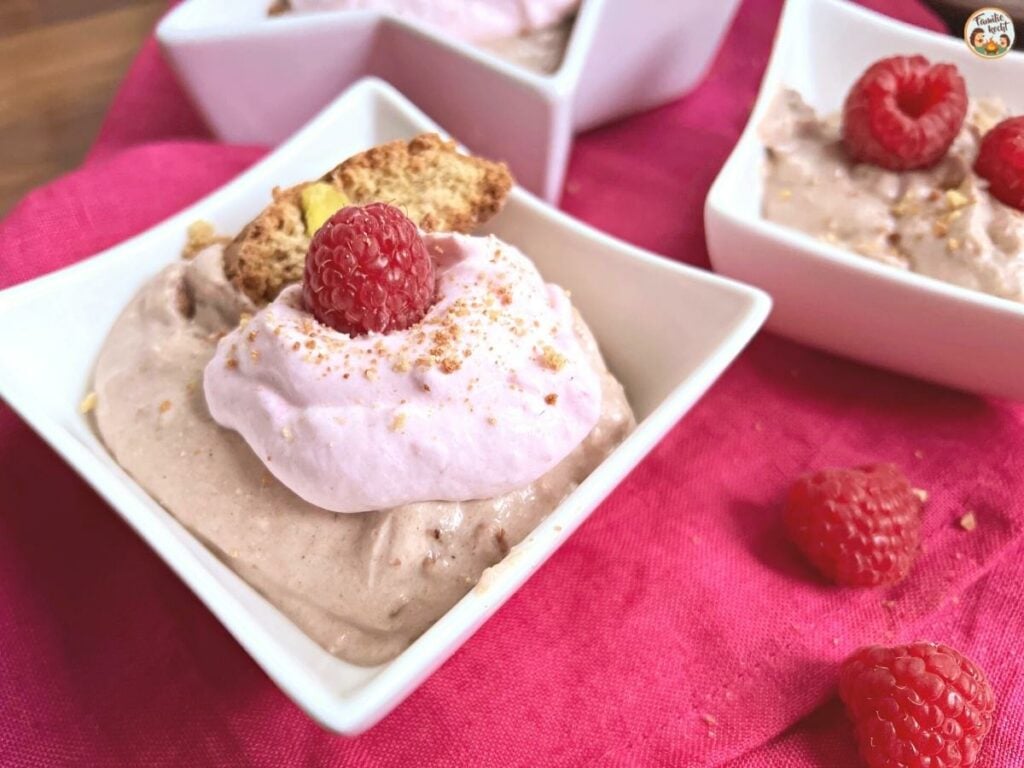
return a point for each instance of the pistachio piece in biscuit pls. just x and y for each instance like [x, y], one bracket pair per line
[436, 186]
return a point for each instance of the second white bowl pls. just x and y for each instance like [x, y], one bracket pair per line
[835, 299]
[258, 79]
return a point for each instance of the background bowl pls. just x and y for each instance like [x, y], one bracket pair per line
[841, 301]
[258, 79]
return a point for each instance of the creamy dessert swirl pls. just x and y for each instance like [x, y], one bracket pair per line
[491, 390]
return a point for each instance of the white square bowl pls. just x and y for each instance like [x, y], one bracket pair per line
[257, 79]
[666, 330]
[837, 300]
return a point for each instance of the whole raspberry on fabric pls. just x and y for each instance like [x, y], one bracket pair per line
[1001, 162]
[903, 113]
[368, 270]
[922, 705]
[859, 526]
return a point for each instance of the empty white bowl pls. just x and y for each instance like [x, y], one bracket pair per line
[257, 79]
[666, 330]
[837, 300]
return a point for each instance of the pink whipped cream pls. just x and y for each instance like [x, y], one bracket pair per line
[471, 20]
[486, 394]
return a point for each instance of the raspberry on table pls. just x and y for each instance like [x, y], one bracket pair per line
[1001, 161]
[368, 271]
[923, 705]
[903, 113]
[859, 526]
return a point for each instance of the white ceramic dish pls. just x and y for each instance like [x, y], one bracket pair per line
[667, 331]
[837, 300]
[257, 79]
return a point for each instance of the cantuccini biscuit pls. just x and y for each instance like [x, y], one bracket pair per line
[436, 186]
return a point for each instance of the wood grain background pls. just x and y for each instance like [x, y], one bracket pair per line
[60, 63]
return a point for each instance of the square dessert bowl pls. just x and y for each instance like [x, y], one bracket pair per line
[257, 79]
[667, 332]
[840, 301]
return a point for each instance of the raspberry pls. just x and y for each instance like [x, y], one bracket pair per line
[859, 527]
[922, 705]
[1001, 161]
[903, 113]
[368, 270]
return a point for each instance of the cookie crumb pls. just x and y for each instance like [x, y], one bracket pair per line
[88, 403]
[287, 433]
[165, 406]
[969, 522]
[709, 718]
[551, 398]
[450, 365]
[398, 422]
[921, 493]
[956, 199]
[199, 235]
[551, 358]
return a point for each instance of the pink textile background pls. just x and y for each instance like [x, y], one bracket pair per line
[676, 627]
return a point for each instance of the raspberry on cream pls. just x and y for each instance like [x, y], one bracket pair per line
[470, 20]
[486, 394]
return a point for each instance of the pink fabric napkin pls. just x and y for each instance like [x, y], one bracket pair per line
[677, 627]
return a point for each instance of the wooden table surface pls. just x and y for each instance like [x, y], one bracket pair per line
[60, 63]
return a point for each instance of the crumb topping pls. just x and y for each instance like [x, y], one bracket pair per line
[88, 403]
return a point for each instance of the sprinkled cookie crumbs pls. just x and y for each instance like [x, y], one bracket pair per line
[551, 358]
[165, 406]
[88, 403]
[551, 398]
[922, 494]
[956, 199]
[199, 235]
[492, 421]
[287, 433]
[398, 422]
[969, 522]
[231, 363]
[370, 374]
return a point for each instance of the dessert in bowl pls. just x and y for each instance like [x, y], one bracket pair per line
[912, 174]
[530, 33]
[372, 411]
[827, 294]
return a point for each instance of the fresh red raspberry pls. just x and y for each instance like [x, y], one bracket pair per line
[368, 270]
[1001, 161]
[922, 705]
[904, 112]
[859, 527]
